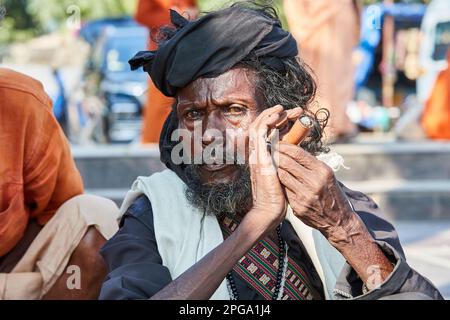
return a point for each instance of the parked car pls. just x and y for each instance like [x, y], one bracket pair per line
[92, 30]
[121, 90]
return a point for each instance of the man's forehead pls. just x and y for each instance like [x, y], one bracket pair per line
[236, 83]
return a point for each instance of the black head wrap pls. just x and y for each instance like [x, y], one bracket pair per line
[208, 47]
[213, 44]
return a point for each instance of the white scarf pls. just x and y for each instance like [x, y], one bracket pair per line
[184, 235]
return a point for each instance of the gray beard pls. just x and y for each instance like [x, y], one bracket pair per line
[222, 198]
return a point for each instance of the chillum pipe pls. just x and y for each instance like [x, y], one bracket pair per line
[299, 130]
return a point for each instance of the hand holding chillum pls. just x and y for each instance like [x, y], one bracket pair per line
[310, 186]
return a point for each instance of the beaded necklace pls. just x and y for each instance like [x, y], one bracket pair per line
[281, 274]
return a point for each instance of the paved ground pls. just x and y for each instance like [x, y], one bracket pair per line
[427, 248]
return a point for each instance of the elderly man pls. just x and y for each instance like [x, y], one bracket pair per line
[268, 223]
[50, 234]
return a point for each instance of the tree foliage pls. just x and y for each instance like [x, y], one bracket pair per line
[28, 18]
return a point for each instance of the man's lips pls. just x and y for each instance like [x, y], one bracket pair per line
[214, 167]
[217, 173]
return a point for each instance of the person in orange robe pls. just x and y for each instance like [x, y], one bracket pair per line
[154, 14]
[436, 116]
[44, 218]
[327, 33]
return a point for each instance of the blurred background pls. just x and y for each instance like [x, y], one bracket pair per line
[385, 71]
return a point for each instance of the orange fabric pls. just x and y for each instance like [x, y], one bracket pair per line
[327, 33]
[37, 172]
[155, 113]
[154, 14]
[436, 116]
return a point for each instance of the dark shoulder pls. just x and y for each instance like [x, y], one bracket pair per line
[140, 209]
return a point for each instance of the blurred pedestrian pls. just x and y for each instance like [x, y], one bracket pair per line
[327, 32]
[155, 14]
[436, 116]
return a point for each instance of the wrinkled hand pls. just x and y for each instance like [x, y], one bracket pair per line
[269, 202]
[313, 192]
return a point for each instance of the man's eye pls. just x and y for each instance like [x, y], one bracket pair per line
[193, 114]
[234, 110]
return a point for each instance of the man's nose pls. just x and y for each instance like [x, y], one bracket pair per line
[213, 130]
